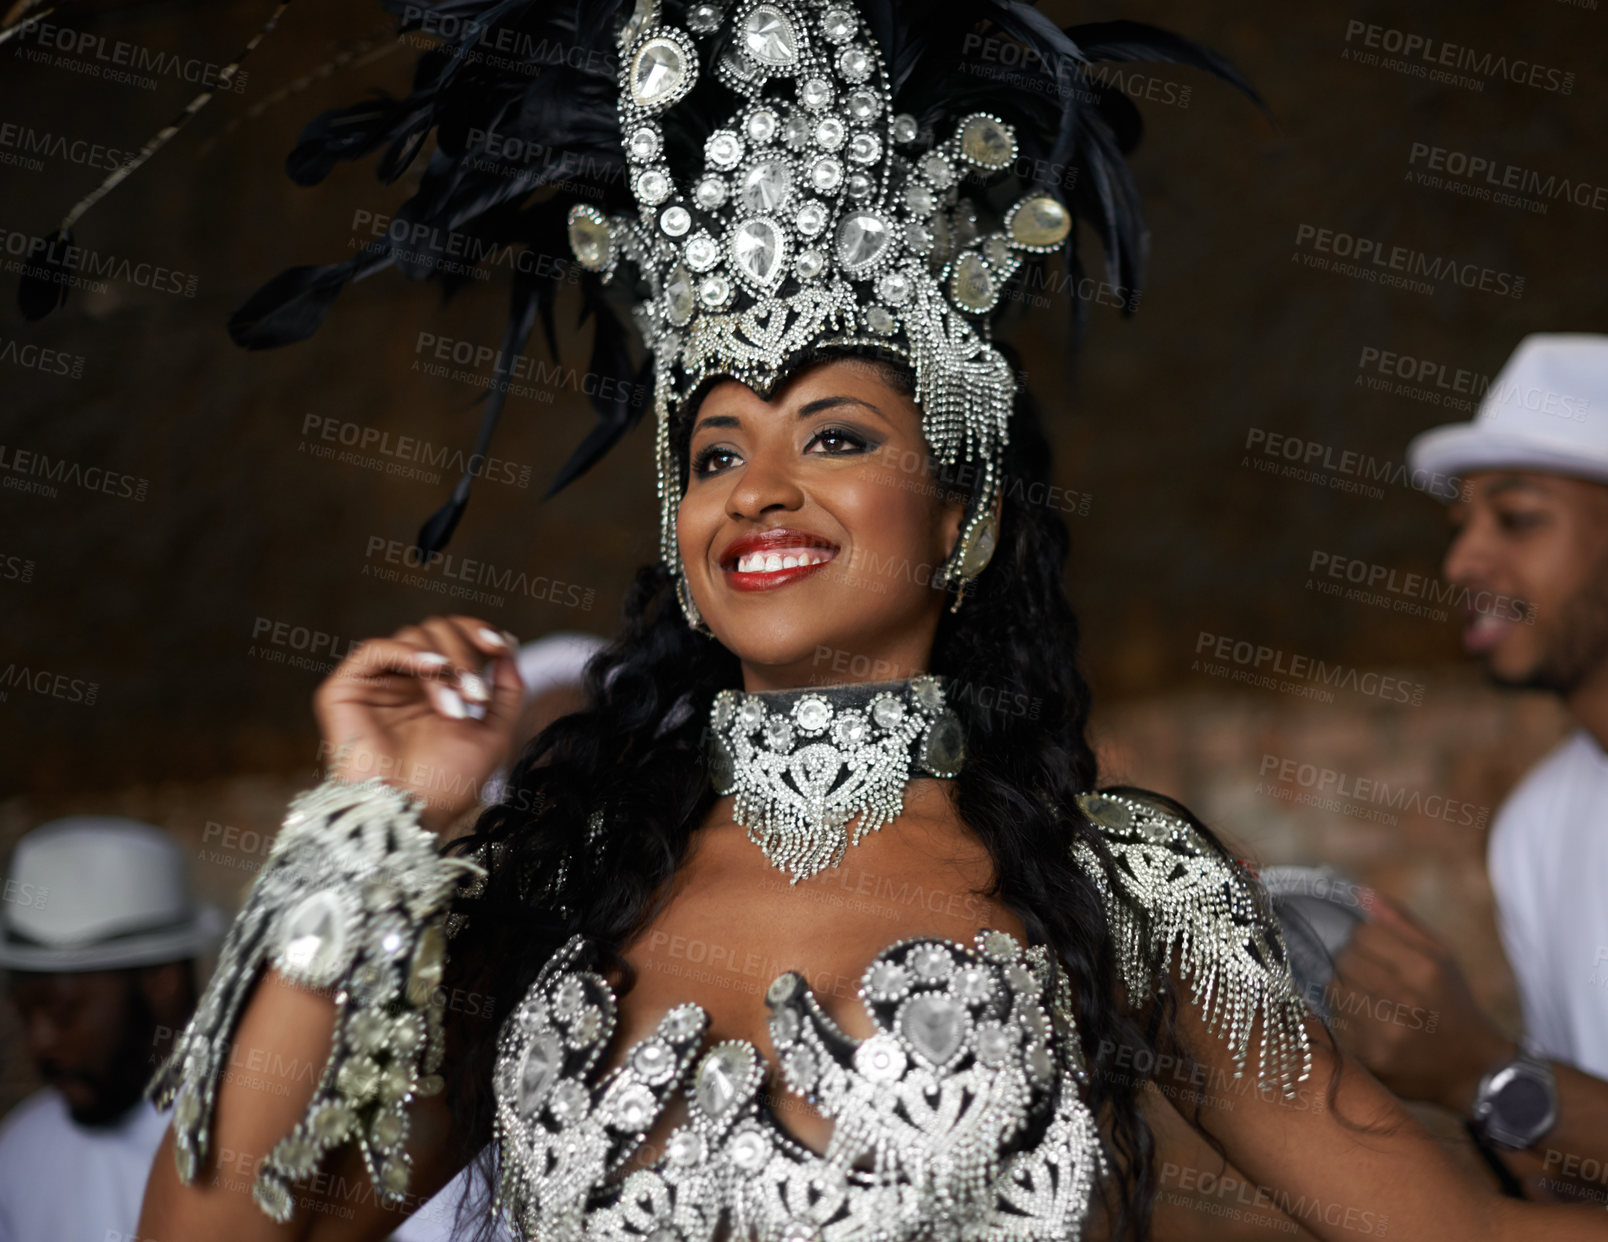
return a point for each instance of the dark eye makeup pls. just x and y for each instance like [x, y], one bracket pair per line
[704, 462]
[854, 438]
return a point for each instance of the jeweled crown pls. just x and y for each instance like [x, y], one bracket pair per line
[819, 218]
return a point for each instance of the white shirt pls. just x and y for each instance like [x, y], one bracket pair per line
[1549, 869]
[63, 1182]
[436, 1220]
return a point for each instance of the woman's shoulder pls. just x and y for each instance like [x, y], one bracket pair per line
[1144, 840]
[1178, 904]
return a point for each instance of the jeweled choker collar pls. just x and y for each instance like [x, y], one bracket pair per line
[806, 762]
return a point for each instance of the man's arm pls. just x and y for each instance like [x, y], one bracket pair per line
[1403, 1008]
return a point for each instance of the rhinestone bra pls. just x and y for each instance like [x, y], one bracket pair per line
[962, 1108]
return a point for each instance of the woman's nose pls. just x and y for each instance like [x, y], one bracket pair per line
[766, 481]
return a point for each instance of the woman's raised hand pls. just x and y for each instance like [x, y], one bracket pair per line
[425, 711]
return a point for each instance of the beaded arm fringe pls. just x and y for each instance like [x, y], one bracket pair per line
[351, 903]
[1215, 916]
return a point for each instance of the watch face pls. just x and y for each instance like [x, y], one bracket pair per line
[1522, 1103]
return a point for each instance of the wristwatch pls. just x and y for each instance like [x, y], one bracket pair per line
[1517, 1103]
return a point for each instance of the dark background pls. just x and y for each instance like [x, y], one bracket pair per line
[156, 600]
[162, 602]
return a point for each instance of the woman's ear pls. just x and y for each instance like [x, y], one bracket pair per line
[950, 515]
[954, 513]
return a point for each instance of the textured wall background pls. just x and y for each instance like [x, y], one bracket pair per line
[168, 604]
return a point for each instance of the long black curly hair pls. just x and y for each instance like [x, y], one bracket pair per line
[636, 754]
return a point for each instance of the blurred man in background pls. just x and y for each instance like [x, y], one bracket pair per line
[99, 933]
[1529, 558]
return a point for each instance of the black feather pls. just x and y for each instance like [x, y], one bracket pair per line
[294, 304]
[614, 397]
[437, 530]
[1140, 41]
[349, 134]
[44, 289]
[47, 273]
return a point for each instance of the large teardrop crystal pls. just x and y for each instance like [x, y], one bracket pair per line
[986, 142]
[971, 286]
[314, 937]
[758, 249]
[769, 37]
[658, 72]
[589, 237]
[861, 239]
[765, 185]
[678, 295]
[1039, 220]
[543, 1062]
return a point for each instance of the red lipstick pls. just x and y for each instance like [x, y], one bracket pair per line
[758, 561]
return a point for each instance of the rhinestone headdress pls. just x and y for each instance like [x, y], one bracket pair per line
[751, 164]
[819, 217]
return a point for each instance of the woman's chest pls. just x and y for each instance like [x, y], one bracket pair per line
[732, 924]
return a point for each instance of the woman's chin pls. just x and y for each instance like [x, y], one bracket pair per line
[788, 643]
[814, 633]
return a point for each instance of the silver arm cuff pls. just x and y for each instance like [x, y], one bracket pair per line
[351, 902]
[1215, 915]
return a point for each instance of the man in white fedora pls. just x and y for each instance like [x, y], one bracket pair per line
[1529, 559]
[99, 933]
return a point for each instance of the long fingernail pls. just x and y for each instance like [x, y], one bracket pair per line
[432, 659]
[490, 635]
[508, 637]
[451, 705]
[473, 688]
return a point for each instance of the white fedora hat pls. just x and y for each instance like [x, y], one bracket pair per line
[1546, 410]
[98, 892]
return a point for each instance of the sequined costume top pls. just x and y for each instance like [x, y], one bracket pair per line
[964, 1115]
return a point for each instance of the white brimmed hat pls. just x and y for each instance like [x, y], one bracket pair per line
[98, 892]
[1546, 410]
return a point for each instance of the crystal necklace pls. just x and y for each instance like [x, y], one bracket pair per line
[804, 763]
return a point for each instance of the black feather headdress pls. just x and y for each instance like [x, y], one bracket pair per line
[542, 79]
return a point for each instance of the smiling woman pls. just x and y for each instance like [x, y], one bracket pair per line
[949, 1020]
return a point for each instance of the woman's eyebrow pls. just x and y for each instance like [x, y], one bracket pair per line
[828, 403]
[714, 420]
[804, 411]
